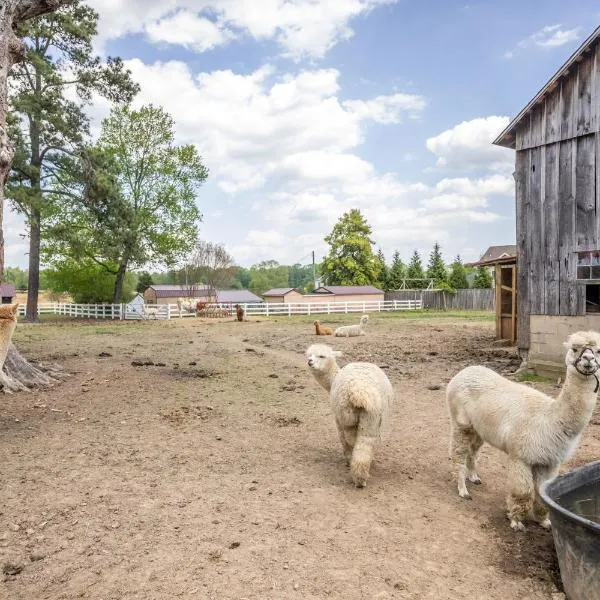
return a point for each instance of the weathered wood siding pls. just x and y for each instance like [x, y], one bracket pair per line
[558, 214]
[570, 110]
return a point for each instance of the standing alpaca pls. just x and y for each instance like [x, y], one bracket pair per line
[239, 312]
[537, 432]
[360, 395]
[8, 322]
[353, 330]
[321, 330]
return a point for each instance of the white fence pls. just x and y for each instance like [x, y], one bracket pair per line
[171, 311]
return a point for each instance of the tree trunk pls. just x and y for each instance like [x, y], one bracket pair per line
[33, 284]
[118, 293]
[16, 373]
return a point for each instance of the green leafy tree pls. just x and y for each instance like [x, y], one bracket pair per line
[458, 275]
[268, 274]
[242, 279]
[301, 276]
[87, 282]
[415, 275]
[137, 192]
[397, 272]
[384, 273]
[436, 269]
[144, 282]
[16, 276]
[482, 278]
[351, 260]
[50, 89]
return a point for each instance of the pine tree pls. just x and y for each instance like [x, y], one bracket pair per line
[458, 275]
[482, 278]
[414, 273]
[144, 282]
[397, 272]
[351, 260]
[436, 269]
[50, 89]
[384, 274]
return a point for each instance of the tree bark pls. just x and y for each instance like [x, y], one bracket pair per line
[33, 282]
[16, 373]
[118, 293]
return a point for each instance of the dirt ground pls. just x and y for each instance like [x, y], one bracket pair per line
[213, 470]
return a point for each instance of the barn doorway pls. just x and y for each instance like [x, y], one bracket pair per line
[506, 302]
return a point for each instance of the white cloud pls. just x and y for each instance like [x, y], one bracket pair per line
[550, 36]
[302, 28]
[468, 146]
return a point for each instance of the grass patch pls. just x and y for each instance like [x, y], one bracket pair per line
[523, 377]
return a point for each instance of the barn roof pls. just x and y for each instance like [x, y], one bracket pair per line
[7, 290]
[236, 296]
[496, 255]
[507, 138]
[280, 291]
[347, 290]
[175, 291]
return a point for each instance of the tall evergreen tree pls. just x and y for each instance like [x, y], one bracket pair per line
[51, 87]
[482, 278]
[458, 275]
[436, 269]
[384, 274]
[415, 276]
[144, 282]
[351, 260]
[397, 272]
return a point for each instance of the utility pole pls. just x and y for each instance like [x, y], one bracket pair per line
[314, 269]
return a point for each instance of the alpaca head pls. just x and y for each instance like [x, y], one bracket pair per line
[315, 323]
[321, 358]
[583, 353]
[8, 312]
[364, 319]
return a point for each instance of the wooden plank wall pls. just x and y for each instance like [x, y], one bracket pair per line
[558, 215]
[569, 110]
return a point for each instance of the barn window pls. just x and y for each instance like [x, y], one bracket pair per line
[588, 265]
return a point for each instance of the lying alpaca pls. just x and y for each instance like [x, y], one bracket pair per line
[8, 322]
[321, 330]
[239, 311]
[537, 432]
[186, 304]
[353, 330]
[360, 395]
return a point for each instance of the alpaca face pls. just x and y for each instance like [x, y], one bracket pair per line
[8, 312]
[583, 352]
[319, 357]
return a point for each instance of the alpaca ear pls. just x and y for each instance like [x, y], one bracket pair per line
[14, 307]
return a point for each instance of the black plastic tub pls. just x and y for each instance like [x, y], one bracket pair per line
[574, 502]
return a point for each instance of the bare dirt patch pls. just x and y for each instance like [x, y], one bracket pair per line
[223, 479]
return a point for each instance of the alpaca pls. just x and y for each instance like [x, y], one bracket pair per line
[360, 395]
[239, 311]
[322, 330]
[150, 311]
[186, 304]
[353, 330]
[8, 323]
[537, 432]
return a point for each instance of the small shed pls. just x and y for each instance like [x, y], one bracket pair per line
[136, 304]
[349, 293]
[168, 293]
[503, 260]
[282, 295]
[7, 293]
[557, 175]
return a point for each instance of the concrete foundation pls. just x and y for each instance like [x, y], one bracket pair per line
[546, 351]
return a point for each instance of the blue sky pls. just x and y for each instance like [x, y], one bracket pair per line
[304, 109]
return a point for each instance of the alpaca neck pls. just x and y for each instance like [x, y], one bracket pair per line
[326, 377]
[576, 402]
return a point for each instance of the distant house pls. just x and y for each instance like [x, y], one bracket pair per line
[7, 293]
[281, 295]
[495, 253]
[168, 294]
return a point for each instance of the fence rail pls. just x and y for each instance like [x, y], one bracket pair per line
[171, 311]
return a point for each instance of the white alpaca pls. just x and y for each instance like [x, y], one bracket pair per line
[360, 395]
[186, 304]
[150, 311]
[537, 432]
[353, 330]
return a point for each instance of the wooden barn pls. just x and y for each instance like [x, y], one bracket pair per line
[557, 176]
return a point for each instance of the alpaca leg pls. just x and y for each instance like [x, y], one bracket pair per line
[348, 439]
[540, 510]
[362, 456]
[476, 443]
[520, 497]
[461, 453]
